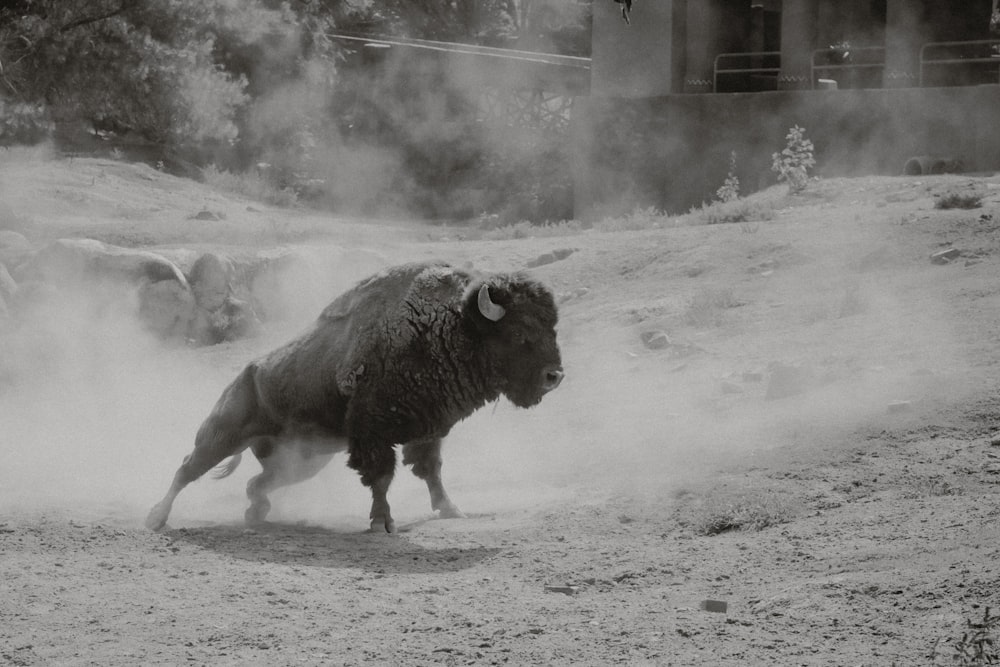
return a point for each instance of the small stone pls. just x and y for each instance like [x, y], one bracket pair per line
[731, 388]
[655, 340]
[787, 381]
[714, 606]
[565, 590]
[995, 441]
[753, 376]
[205, 214]
[945, 256]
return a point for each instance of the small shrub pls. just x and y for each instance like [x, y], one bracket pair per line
[978, 644]
[738, 210]
[525, 230]
[637, 220]
[964, 200]
[706, 308]
[249, 184]
[730, 190]
[747, 510]
[794, 162]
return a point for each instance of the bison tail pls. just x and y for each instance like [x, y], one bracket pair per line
[226, 469]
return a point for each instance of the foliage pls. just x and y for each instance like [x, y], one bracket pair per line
[706, 308]
[721, 512]
[559, 26]
[730, 189]
[22, 123]
[526, 230]
[794, 162]
[978, 644]
[738, 210]
[251, 184]
[963, 200]
[181, 73]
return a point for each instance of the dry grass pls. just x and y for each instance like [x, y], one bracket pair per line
[707, 307]
[737, 210]
[957, 199]
[249, 184]
[747, 510]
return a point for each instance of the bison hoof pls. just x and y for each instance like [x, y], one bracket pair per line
[380, 524]
[156, 520]
[450, 512]
[255, 514]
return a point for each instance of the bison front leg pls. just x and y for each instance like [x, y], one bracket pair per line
[425, 457]
[377, 465]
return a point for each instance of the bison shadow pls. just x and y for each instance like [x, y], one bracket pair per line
[316, 546]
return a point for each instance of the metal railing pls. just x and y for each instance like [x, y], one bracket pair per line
[744, 63]
[862, 59]
[957, 54]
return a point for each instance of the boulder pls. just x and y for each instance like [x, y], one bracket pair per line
[211, 279]
[14, 248]
[280, 286]
[70, 260]
[8, 287]
[787, 381]
[168, 308]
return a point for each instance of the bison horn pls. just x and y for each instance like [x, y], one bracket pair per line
[490, 310]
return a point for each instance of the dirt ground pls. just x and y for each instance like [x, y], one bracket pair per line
[797, 417]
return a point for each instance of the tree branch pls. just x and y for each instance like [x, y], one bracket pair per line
[124, 5]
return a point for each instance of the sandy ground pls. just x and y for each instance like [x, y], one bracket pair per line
[863, 508]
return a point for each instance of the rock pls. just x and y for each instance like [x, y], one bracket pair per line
[714, 606]
[8, 287]
[655, 340]
[787, 381]
[70, 260]
[995, 441]
[210, 279]
[945, 256]
[731, 388]
[281, 286]
[899, 406]
[167, 308]
[933, 164]
[233, 320]
[549, 257]
[753, 376]
[574, 294]
[14, 248]
[206, 214]
[565, 590]
[541, 260]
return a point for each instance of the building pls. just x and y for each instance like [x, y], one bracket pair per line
[874, 82]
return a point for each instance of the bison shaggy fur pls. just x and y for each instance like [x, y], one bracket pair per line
[396, 360]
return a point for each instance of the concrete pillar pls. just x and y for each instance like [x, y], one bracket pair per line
[903, 38]
[703, 18]
[798, 41]
[637, 59]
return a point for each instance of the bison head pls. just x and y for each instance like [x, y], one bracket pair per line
[513, 319]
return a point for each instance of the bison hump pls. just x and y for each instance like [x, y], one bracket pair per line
[380, 295]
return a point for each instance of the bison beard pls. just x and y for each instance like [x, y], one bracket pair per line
[396, 360]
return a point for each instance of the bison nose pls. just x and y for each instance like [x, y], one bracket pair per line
[551, 377]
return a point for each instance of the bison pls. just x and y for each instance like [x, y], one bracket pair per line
[396, 360]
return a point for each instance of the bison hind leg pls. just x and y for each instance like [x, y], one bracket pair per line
[425, 457]
[284, 462]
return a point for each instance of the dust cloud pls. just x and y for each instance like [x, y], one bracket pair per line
[97, 412]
